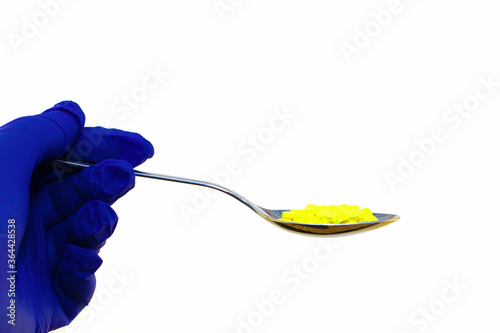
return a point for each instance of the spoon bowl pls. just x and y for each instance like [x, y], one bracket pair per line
[330, 230]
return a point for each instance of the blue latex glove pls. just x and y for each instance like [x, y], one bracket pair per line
[58, 217]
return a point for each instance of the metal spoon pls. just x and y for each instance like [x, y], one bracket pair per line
[272, 215]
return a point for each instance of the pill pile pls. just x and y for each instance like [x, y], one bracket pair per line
[332, 214]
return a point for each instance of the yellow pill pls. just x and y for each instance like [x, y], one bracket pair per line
[341, 210]
[323, 209]
[334, 208]
[344, 206]
[328, 215]
[311, 206]
[313, 219]
[306, 216]
[369, 217]
[336, 220]
[318, 221]
[353, 214]
[288, 215]
[354, 207]
[366, 211]
[343, 218]
[331, 218]
[296, 210]
[308, 211]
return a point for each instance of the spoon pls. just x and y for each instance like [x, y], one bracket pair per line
[271, 215]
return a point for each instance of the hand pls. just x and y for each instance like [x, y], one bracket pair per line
[54, 220]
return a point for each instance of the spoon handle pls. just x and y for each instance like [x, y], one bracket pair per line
[214, 186]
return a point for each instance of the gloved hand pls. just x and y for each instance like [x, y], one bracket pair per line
[54, 220]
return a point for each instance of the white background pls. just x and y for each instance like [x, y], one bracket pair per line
[353, 121]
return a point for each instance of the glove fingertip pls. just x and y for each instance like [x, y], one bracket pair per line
[107, 181]
[75, 284]
[74, 109]
[80, 263]
[144, 150]
[150, 149]
[94, 223]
